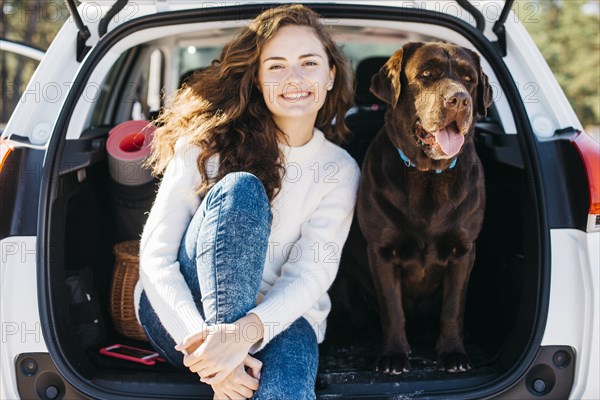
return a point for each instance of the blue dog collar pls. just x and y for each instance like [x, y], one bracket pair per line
[409, 163]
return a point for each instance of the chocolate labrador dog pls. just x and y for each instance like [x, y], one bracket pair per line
[421, 198]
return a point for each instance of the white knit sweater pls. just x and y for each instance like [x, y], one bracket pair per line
[311, 219]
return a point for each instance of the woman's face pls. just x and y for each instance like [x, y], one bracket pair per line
[294, 74]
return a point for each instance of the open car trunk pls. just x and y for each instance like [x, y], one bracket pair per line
[501, 306]
[87, 216]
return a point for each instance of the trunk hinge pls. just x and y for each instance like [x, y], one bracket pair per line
[84, 33]
[500, 30]
[114, 10]
[479, 19]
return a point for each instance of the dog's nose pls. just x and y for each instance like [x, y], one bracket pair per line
[458, 100]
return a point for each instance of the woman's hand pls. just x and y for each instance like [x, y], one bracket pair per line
[223, 347]
[192, 342]
[240, 384]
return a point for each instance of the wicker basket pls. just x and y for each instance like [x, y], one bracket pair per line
[125, 276]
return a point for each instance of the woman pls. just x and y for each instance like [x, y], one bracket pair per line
[255, 204]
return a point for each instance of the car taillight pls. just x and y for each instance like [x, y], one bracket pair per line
[5, 149]
[589, 150]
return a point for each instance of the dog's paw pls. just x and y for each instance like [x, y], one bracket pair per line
[393, 364]
[453, 362]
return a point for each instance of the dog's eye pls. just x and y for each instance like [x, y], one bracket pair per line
[426, 73]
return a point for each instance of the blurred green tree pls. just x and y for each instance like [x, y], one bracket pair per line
[567, 33]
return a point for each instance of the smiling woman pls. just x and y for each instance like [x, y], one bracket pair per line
[268, 102]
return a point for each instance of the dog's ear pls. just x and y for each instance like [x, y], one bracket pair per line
[386, 83]
[485, 97]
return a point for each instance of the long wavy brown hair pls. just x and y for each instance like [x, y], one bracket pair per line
[223, 111]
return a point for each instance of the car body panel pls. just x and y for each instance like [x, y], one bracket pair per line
[21, 326]
[575, 302]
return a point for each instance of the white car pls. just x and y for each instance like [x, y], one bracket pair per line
[532, 317]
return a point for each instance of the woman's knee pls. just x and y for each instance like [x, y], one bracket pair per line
[243, 191]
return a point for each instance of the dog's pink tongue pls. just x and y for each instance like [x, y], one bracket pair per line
[450, 140]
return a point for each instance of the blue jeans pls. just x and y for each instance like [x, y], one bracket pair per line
[221, 257]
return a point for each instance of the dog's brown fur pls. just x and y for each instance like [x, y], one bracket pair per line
[420, 225]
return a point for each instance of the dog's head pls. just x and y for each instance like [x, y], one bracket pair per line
[434, 91]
